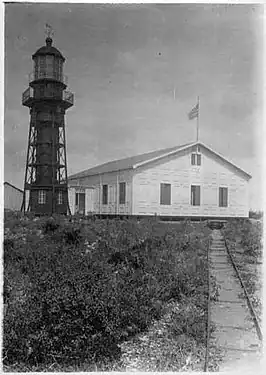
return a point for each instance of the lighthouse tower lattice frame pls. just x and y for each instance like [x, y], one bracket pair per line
[46, 184]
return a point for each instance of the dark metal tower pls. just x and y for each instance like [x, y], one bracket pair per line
[45, 186]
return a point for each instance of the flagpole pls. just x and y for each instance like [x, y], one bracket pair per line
[198, 122]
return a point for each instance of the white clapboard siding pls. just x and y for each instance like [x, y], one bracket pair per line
[178, 171]
[12, 197]
[89, 200]
[112, 179]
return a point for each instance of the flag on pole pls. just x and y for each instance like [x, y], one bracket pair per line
[194, 112]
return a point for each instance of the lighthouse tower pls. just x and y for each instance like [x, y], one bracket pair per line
[45, 185]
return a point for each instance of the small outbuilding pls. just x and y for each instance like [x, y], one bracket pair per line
[189, 180]
[12, 197]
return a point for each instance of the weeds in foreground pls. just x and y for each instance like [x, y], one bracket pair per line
[75, 292]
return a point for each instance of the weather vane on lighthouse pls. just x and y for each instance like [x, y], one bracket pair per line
[49, 30]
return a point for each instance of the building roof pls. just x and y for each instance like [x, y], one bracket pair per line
[48, 50]
[122, 164]
[139, 160]
[14, 187]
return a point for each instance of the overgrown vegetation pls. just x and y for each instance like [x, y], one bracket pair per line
[75, 291]
[248, 234]
[244, 239]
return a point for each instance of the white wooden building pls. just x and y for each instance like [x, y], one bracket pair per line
[12, 197]
[183, 181]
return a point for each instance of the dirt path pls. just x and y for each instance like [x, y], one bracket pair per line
[235, 332]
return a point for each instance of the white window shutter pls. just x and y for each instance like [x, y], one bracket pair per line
[89, 206]
[71, 199]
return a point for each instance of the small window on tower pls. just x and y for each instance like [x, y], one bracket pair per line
[42, 197]
[60, 197]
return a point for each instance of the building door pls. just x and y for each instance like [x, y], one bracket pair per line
[80, 203]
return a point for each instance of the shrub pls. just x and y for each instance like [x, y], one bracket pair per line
[248, 234]
[252, 238]
[8, 244]
[72, 236]
[90, 287]
[50, 226]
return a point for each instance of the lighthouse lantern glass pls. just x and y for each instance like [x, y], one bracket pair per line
[48, 66]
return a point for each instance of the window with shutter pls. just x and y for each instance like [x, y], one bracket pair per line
[122, 193]
[105, 194]
[165, 194]
[198, 159]
[223, 197]
[195, 195]
[196, 156]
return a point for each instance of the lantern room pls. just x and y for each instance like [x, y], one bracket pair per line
[48, 63]
[47, 80]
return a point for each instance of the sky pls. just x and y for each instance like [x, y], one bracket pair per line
[136, 71]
